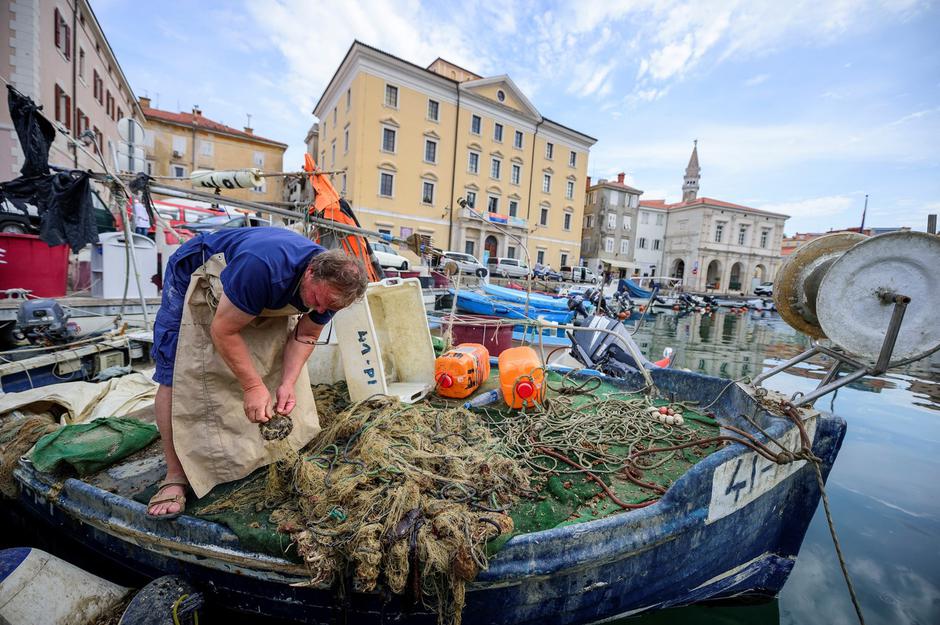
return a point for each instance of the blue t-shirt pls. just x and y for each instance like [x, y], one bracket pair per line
[263, 266]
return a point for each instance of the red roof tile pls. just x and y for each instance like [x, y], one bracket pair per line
[201, 121]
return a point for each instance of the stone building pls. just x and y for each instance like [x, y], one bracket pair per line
[55, 52]
[179, 143]
[413, 140]
[717, 245]
[610, 220]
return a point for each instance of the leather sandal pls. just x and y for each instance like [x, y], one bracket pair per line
[177, 499]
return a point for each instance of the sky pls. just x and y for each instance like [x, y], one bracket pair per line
[800, 107]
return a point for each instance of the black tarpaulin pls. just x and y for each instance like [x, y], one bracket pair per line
[69, 216]
[35, 132]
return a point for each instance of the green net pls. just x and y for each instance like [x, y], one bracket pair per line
[91, 447]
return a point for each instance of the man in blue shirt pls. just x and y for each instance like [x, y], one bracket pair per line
[266, 269]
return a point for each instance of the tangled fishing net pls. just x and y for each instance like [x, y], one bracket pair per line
[406, 495]
[18, 433]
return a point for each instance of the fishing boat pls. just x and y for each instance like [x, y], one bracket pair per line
[482, 304]
[730, 527]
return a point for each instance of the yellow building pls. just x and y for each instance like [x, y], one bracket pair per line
[414, 140]
[179, 143]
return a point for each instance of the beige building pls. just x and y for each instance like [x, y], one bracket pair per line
[716, 245]
[413, 140]
[55, 52]
[179, 143]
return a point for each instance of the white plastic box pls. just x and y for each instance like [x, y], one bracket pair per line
[385, 342]
[110, 266]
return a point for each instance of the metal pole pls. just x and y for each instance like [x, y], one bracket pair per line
[793, 361]
[894, 326]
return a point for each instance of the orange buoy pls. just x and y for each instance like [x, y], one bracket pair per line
[462, 370]
[521, 377]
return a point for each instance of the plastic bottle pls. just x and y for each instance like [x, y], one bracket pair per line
[462, 370]
[484, 399]
[521, 377]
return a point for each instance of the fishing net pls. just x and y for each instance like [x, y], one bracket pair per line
[18, 433]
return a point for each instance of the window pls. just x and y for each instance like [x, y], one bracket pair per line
[261, 188]
[472, 199]
[492, 204]
[644, 218]
[589, 221]
[475, 124]
[83, 121]
[543, 216]
[611, 221]
[63, 105]
[517, 142]
[626, 222]
[634, 201]
[549, 150]
[511, 251]
[345, 140]
[150, 168]
[719, 231]
[386, 184]
[609, 245]
[343, 189]
[386, 231]
[473, 162]
[109, 105]
[656, 244]
[179, 146]
[546, 183]
[742, 235]
[569, 190]
[391, 96]
[334, 117]
[434, 110]
[430, 151]
[540, 257]
[99, 138]
[427, 192]
[641, 243]
[258, 159]
[98, 87]
[498, 132]
[660, 219]
[63, 35]
[564, 258]
[81, 64]
[624, 246]
[333, 153]
[348, 98]
[495, 164]
[388, 140]
[468, 248]
[206, 148]
[513, 208]
[764, 235]
[177, 171]
[120, 114]
[567, 225]
[572, 159]
[516, 173]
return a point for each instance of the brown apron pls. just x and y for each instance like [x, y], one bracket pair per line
[214, 439]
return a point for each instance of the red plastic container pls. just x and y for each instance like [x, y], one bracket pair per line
[496, 339]
[31, 264]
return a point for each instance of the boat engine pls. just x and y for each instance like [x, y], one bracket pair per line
[606, 352]
[44, 321]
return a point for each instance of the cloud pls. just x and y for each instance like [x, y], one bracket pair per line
[753, 81]
[812, 207]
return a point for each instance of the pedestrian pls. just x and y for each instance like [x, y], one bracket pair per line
[141, 218]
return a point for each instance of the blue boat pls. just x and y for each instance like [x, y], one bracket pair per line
[480, 304]
[544, 302]
[730, 527]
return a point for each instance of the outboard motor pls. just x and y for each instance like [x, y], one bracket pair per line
[607, 352]
[44, 321]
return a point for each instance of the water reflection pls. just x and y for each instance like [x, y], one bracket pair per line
[882, 488]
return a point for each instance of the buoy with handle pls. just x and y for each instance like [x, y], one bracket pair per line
[460, 371]
[521, 377]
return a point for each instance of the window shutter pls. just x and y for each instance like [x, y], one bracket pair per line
[55, 29]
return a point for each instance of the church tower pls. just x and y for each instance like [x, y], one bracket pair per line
[692, 175]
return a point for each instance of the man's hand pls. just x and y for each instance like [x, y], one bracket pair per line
[286, 400]
[258, 404]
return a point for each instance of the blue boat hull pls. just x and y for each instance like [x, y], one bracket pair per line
[731, 526]
[519, 297]
[477, 304]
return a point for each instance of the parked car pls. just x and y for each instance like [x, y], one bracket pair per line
[548, 274]
[579, 274]
[507, 267]
[765, 289]
[388, 257]
[217, 222]
[467, 263]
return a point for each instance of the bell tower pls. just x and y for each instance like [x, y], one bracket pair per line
[692, 176]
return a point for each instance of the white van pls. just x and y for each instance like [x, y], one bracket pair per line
[507, 267]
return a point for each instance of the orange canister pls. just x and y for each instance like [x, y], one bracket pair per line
[462, 370]
[521, 377]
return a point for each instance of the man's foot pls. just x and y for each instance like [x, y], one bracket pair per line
[170, 499]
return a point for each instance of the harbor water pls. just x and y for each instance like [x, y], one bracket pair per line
[883, 489]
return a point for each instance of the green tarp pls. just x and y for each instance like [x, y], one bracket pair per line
[90, 447]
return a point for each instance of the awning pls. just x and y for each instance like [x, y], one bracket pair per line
[621, 264]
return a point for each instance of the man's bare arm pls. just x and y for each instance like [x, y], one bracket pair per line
[297, 351]
[226, 336]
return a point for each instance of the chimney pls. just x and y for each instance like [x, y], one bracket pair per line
[248, 130]
[197, 111]
[144, 102]
[620, 177]
[588, 183]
